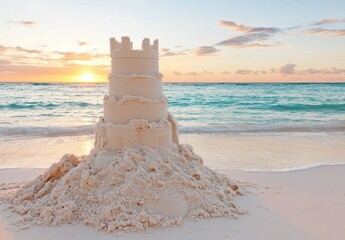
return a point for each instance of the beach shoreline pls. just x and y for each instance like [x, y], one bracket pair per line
[257, 152]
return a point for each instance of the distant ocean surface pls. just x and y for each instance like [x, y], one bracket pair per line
[73, 109]
[55, 110]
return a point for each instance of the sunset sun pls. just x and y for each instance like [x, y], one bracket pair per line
[87, 77]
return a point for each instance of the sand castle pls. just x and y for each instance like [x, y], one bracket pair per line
[135, 111]
[138, 177]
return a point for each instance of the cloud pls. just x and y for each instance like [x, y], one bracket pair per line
[246, 72]
[205, 51]
[287, 69]
[298, 26]
[81, 43]
[20, 53]
[328, 21]
[25, 22]
[234, 26]
[49, 70]
[25, 63]
[178, 73]
[4, 62]
[3, 49]
[17, 49]
[20, 49]
[198, 51]
[20, 61]
[193, 74]
[253, 40]
[167, 52]
[333, 32]
[254, 37]
[84, 56]
[324, 71]
[247, 29]
[318, 28]
[290, 69]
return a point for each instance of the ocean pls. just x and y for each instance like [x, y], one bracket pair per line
[52, 114]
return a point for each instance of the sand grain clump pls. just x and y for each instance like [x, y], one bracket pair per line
[129, 189]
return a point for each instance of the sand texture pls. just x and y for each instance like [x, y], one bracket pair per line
[300, 205]
[130, 189]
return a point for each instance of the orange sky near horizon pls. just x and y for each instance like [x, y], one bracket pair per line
[217, 41]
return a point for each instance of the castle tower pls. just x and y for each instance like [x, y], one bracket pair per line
[135, 111]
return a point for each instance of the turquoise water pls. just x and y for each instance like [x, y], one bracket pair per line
[35, 109]
[244, 126]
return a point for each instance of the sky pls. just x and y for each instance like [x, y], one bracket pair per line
[200, 41]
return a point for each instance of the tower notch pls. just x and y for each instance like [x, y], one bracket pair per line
[124, 49]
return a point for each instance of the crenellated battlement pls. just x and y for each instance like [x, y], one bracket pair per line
[124, 49]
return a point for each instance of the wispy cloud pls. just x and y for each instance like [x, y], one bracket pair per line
[83, 56]
[318, 28]
[178, 73]
[17, 49]
[24, 22]
[52, 70]
[290, 69]
[287, 68]
[33, 62]
[81, 43]
[253, 40]
[248, 29]
[328, 21]
[20, 49]
[3, 49]
[205, 51]
[167, 52]
[324, 71]
[193, 74]
[4, 62]
[254, 37]
[332, 32]
[247, 72]
[198, 51]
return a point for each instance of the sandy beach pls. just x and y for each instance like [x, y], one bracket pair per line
[301, 204]
[219, 151]
[166, 121]
[283, 204]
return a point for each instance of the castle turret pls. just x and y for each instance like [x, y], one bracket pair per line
[135, 111]
[125, 60]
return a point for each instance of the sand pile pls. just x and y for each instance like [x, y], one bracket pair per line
[129, 189]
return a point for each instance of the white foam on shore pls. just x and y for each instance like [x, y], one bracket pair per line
[334, 127]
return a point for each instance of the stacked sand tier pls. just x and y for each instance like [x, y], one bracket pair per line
[135, 111]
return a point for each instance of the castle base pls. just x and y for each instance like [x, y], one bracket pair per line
[134, 134]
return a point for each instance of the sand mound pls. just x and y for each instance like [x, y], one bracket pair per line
[130, 189]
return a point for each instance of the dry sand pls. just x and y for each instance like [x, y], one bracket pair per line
[304, 204]
[128, 189]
